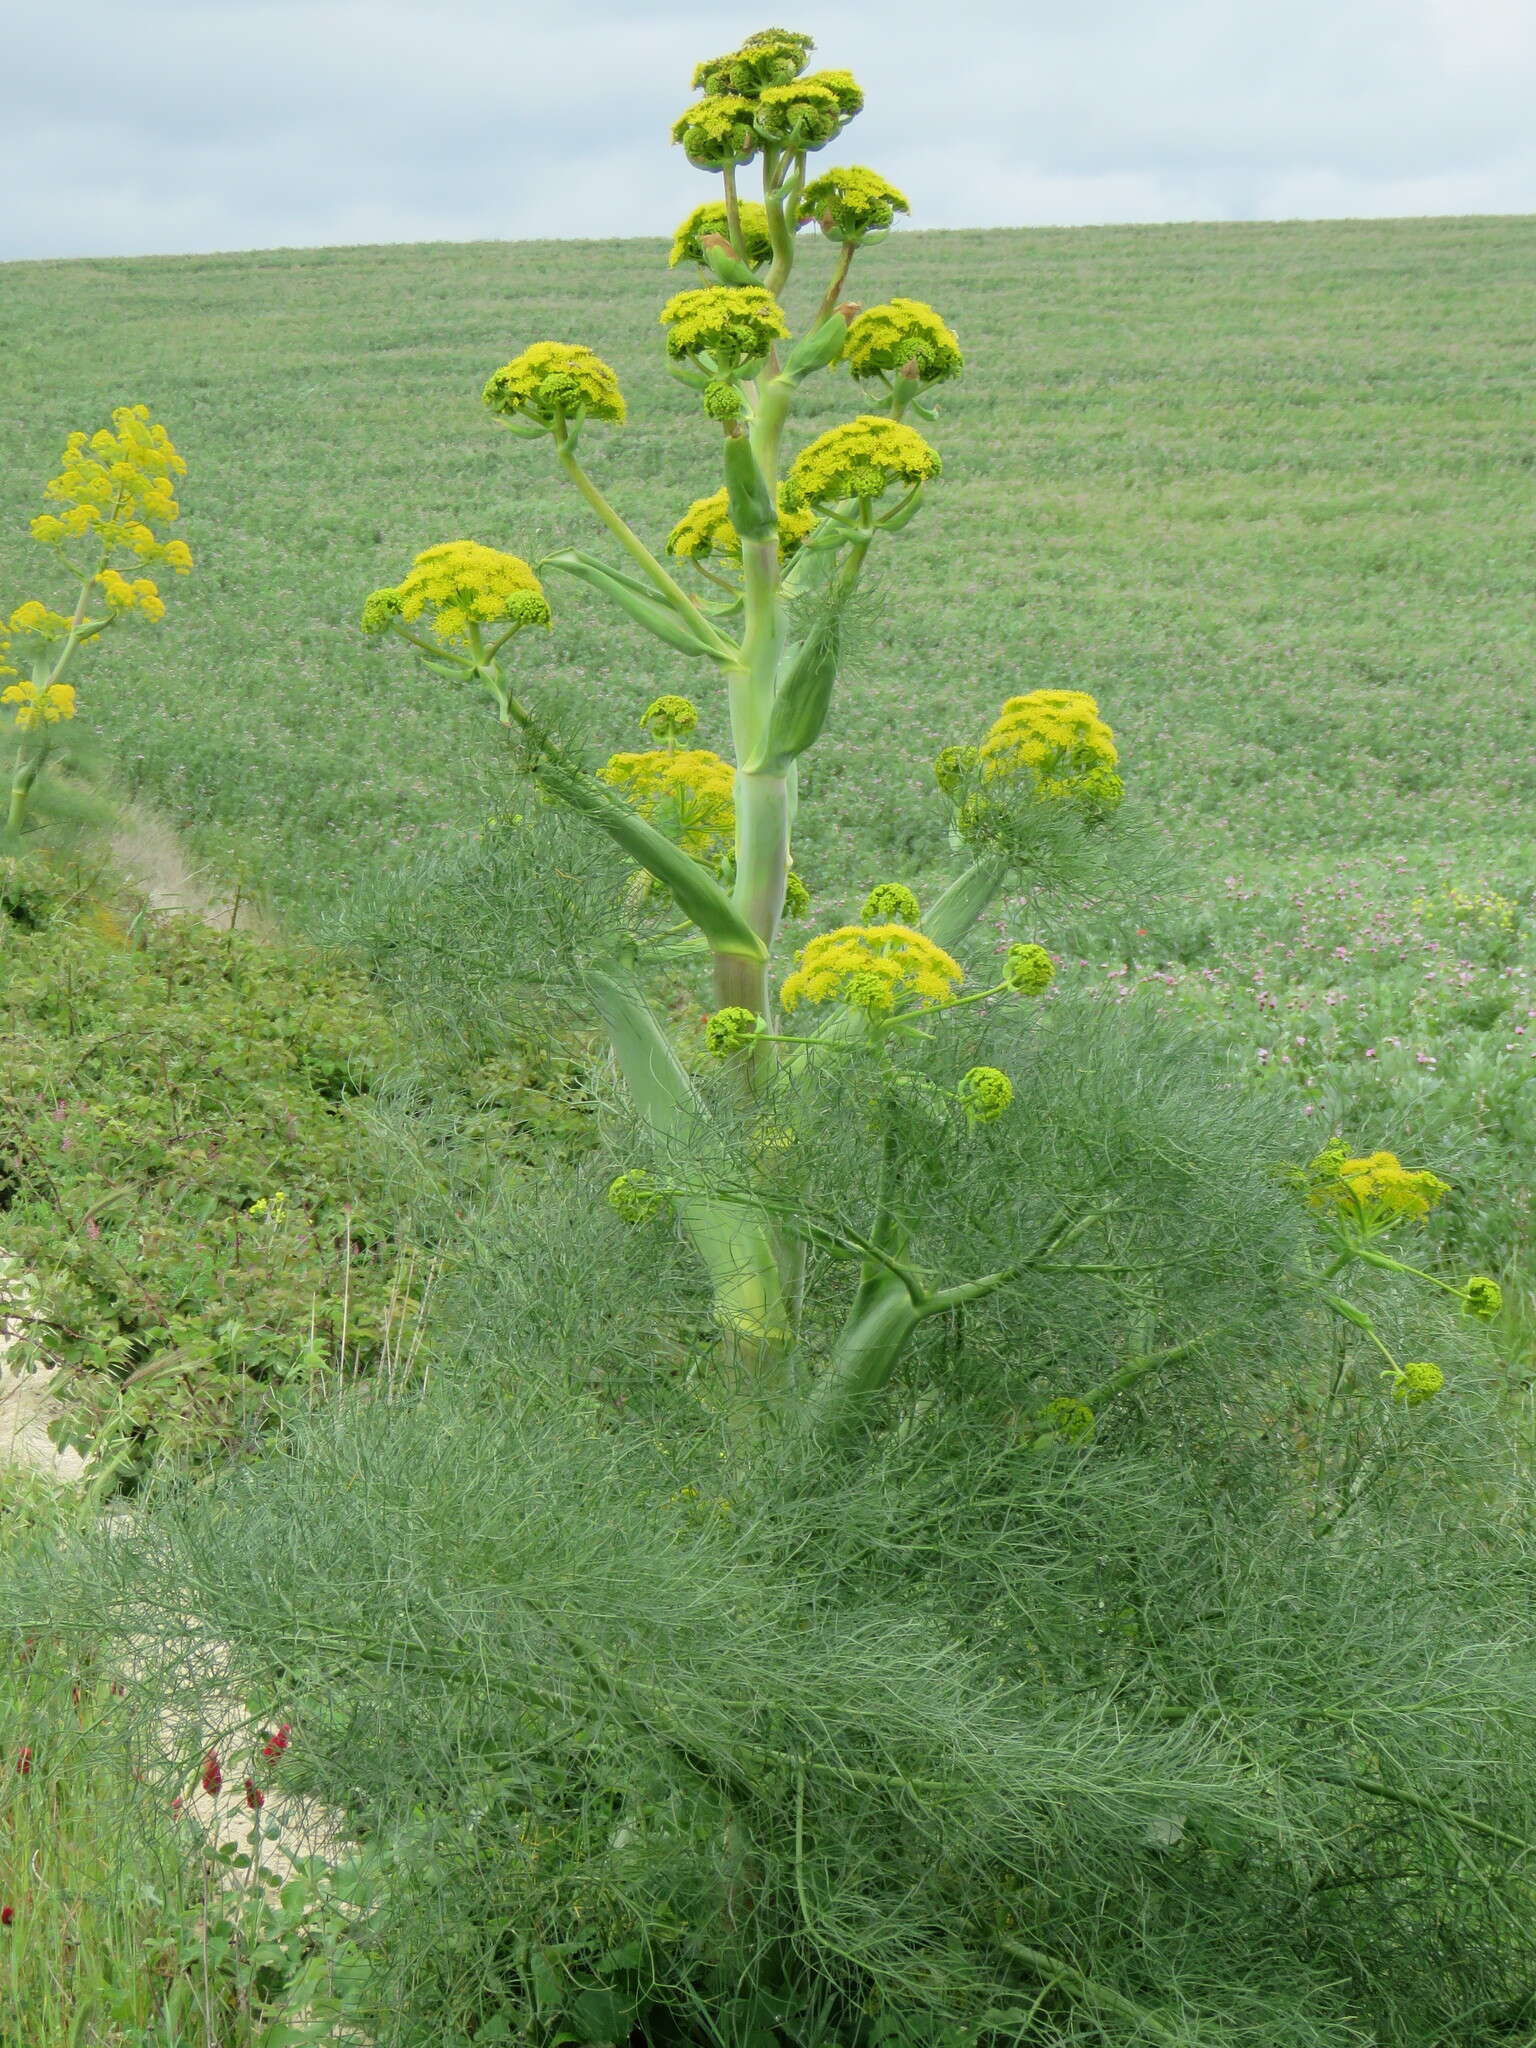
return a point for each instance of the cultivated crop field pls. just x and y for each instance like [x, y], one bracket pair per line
[963, 1486]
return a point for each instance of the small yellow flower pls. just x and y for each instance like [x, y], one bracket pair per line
[871, 968]
[1030, 969]
[461, 585]
[122, 596]
[556, 380]
[35, 619]
[860, 460]
[730, 1029]
[122, 475]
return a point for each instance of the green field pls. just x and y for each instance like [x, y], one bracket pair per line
[1264, 490]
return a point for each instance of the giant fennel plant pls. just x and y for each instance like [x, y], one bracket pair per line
[849, 1028]
[775, 555]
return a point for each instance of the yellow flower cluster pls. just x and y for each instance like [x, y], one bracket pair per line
[556, 380]
[1030, 969]
[39, 703]
[808, 113]
[117, 485]
[462, 584]
[1416, 1382]
[859, 460]
[984, 1093]
[709, 219]
[1376, 1188]
[706, 529]
[1481, 909]
[851, 202]
[890, 903]
[687, 794]
[733, 324]
[139, 596]
[35, 619]
[771, 57]
[717, 132]
[1058, 740]
[871, 968]
[889, 338]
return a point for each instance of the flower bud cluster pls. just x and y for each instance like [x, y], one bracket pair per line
[985, 1092]
[727, 328]
[710, 219]
[756, 95]
[1375, 1190]
[890, 903]
[634, 1196]
[669, 718]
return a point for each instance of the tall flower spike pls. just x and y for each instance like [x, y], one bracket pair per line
[556, 380]
[851, 203]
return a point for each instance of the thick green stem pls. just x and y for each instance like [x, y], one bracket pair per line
[834, 290]
[963, 902]
[732, 1239]
[21, 789]
[733, 231]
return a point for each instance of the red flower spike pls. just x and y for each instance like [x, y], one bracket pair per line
[254, 1799]
[276, 1744]
[213, 1777]
[24, 1762]
[7, 1915]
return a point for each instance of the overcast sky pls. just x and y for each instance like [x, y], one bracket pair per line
[191, 125]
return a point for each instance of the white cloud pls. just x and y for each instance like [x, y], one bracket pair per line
[228, 124]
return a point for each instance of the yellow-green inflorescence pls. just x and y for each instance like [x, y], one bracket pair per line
[1482, 1297]
[556, 381]
[774, 56]
[115, 487]
[890, 903]
[985, 1092]
[685, 793]
[860, 460]
[871, 968]
[717, 132]
[730, 1029]
[669, 718]
[459, 585]
[1415, 1383]
[1069, 1419]
[733, 325]
[1052, 743]
[1375, 1189]
[634, 1196]
[705, 529]
[903, 337]
[710, 219]
[851, 203]
[809, 112]
[1030, 969]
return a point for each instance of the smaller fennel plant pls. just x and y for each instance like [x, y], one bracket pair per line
[115, 494]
